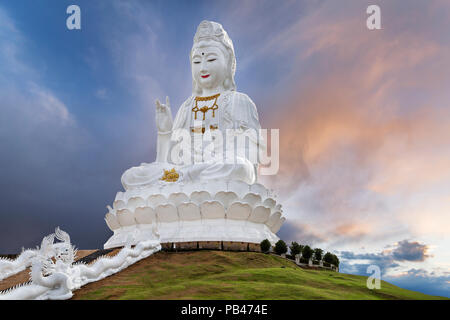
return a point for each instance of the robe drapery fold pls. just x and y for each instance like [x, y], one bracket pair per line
[236, 111]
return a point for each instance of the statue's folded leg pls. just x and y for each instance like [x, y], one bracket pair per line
[242, 170]
[144, 175]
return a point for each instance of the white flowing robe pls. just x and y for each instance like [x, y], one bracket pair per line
[235, 111]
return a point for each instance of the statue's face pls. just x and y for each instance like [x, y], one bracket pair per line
[209, 64]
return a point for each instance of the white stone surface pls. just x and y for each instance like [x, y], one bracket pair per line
[212, 199]
[54, 275]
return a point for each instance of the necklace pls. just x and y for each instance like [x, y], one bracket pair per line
[205, 109]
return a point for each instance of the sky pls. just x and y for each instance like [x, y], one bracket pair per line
[364, 119]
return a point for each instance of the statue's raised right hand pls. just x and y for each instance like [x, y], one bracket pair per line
[164, 120]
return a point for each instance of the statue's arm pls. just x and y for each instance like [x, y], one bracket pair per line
[162, 146]
[246, 117]
[164, 124]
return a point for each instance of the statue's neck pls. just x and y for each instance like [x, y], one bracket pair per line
[210, 92]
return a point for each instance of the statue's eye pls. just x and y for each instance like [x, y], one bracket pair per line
[196, 62]
[211, 60]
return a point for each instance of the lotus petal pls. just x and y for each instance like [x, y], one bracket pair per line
[270, 203]
[119, 204]
[212, 210]
[132, 193]
[216, 186]
[260, 214]
[145, 215]
[252, 199]
[189, 211]
[178, 198]
[135, 202]
[166, 213]
[171, 188]
[199, 196]
[155, 200]
[125, 217]
[120, 196]
[226, 197]
[278, 225]
[239, 211]
[273, 219]
[258, 188]
[238, 187]
[147, 192]
[111, 221]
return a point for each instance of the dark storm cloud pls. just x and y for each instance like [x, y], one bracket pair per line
[387, 259]
[293, 230]
[410, 251]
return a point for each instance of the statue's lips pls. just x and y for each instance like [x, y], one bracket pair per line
[205, 76]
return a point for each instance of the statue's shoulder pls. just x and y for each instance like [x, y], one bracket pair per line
[240, 96]
[188, 101]
[242, 100]
[243, 108]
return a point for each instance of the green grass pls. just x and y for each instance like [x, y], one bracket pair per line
[234, 275]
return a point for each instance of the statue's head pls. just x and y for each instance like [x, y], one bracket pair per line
[212, 58]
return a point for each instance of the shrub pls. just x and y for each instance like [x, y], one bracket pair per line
[328, 257]
[307, 252]
[295, 248]
[335, 260]
[280, 247]
[303, 260]
[318, 254]
[331, 258]
[265, 245]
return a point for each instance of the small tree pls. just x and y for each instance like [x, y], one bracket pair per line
[328, 258]
[307, 252]
[280, 247]
[265, 245]
[295, 248]
[335, 260]
[318, 254]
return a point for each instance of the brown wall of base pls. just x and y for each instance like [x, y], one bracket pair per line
[212, 245]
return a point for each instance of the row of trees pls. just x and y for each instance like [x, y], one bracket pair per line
[306, 251]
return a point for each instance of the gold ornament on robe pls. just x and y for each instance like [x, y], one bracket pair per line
[205, 109]
[170, 175]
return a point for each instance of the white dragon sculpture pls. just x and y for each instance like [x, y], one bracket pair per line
[54, 275]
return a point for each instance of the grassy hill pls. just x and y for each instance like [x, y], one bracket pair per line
[233, 275]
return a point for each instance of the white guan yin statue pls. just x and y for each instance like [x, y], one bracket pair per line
[203, 184]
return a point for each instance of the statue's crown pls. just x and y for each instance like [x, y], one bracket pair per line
[210, 30]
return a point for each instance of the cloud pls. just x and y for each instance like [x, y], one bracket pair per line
[294, 230]
[410, 251]
[365, 123]
[41, 144]
[423, 281]
[387, 260]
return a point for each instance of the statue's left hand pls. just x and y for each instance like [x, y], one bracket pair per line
[164, 120]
